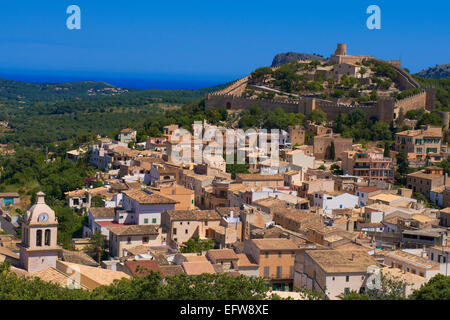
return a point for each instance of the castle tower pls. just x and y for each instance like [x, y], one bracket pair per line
[341, 49]
[39, 249]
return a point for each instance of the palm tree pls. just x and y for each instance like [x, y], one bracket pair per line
[96, 246]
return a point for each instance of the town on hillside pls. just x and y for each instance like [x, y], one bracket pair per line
[329, 217]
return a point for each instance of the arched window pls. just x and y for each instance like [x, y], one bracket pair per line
[47, 237]
[39, 238]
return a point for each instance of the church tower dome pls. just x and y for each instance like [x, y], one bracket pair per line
[40, 212]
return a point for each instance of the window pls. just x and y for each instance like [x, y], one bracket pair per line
[145, 221]
[266, 272]
[279, 254]
[186, 231]
[346, 290]
[174, 231]
[129, 240]
[39, 238]
[267, 255]
[347, 278]
[47, 237]
[145, 240]
[154, 220]
[334, 278]
[279, 270]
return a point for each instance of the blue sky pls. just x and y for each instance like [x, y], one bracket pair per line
[211, 39]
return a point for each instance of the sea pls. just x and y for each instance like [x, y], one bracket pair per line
[128, 81]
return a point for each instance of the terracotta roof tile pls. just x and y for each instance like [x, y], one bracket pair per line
[193, 215]
[131, 230]
[171, 270]
[274, 244]
[150, 265]
[259, 177]
[221, 254]
[148, 198]
[102, 212]
[197, 268]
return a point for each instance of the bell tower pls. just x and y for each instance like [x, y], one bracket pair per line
[39, 249]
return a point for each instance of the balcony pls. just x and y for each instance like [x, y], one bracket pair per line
[282, 276]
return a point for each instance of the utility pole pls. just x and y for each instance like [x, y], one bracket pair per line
[446, 260]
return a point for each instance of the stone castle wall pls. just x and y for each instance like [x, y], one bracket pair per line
[383, 110]
[231, 102]
[386, 109]
[416, 101]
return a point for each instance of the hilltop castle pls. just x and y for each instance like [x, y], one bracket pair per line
[340, 64]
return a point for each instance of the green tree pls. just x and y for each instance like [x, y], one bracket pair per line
[69, 225]
[195, 244]
[97, 202]
[402, 167]
[332, 151]
[430, 118]
[362, 71]
[149, 286]
[13, 287]
[353, 295]
[97, 184]
[336, 170]
[390, 288]
[261, 74]
[97, 246]
[317, 116]
[437, 288]
[387, 149]
[400, 118]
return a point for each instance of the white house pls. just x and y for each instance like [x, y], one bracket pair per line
[127, 135]
[99, 219]
[364, 193]
[334, 200]
[124, 237]
[409, 262]
[143, 207]
[300, 159]
[440, 255]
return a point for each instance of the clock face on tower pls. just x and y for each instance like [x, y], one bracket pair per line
[43, 217]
